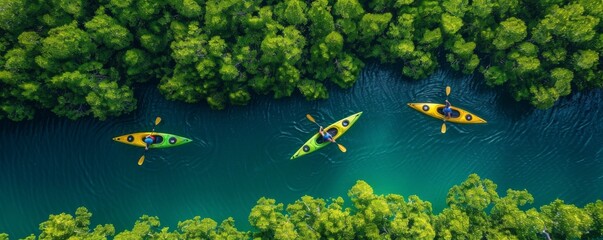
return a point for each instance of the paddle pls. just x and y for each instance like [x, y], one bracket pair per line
[444, 124]
[341, 147]
[141, 160]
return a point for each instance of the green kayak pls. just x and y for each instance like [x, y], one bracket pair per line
[336, 130]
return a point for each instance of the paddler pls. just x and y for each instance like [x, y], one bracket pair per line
[326, 135]
[149, 140]
[447, 109]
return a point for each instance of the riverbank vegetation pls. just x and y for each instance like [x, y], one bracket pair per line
[84, 58]
[474, 211]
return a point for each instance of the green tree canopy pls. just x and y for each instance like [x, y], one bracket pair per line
[568, 22]
[565, 221]
[107, 31]
[475, 211]
[509, 32]
[224, 52]
[67, 42]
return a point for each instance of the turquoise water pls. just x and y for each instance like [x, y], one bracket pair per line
[52, 165]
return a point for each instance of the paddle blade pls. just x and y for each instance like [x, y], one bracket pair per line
[310, 118]
[443, 127]
[141, 160]
[447, 90]
[157, 120]
[342, 148]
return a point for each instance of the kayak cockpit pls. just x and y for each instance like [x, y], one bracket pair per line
[455, 113]
[332, 131]
[158, 139]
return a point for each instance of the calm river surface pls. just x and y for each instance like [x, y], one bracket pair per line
[52, 165]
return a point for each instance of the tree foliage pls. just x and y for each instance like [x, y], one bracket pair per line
[475, 211]
[225, 52]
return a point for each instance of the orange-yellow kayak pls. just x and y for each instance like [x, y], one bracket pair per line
[458, 115]
[162, 140]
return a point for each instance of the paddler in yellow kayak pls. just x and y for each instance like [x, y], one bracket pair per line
[447, 109]
[149, 140]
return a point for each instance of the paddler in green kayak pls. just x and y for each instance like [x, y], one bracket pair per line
[326, 135]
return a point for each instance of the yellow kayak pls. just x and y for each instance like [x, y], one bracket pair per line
[458, 115]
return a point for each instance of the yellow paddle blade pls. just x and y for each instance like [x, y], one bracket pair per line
[310, 118]
[141, 160]
[342, 148]
[157, 120]
[447, 90]
[443, 127]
